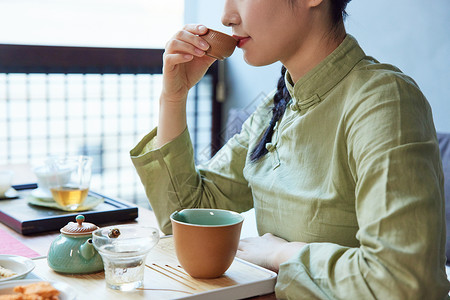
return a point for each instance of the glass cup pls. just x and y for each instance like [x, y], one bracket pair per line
[70, 179]
[123, 249]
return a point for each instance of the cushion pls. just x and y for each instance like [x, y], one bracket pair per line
[444, 146]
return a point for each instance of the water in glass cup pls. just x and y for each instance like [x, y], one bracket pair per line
[124, 269]
[124, 255]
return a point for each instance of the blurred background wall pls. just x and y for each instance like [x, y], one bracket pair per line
[414, 35]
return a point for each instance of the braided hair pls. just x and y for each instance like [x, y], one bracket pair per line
[282, 96]
[280, 101]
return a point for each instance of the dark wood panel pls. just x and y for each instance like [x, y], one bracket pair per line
[58, 59]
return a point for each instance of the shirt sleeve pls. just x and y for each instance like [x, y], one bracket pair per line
[394, 156]
[172, 181]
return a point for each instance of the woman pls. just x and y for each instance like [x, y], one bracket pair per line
[341, 163]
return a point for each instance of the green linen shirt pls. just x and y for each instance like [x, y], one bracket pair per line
[353, 170]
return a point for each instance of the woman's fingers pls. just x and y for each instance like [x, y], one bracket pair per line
[185, 62]
[198, 29]
[172, 60]
[181, 46]
[188, 41]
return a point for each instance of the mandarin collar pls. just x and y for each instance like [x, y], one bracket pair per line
[311, 88]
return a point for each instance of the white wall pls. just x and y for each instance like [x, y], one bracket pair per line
[414, 35]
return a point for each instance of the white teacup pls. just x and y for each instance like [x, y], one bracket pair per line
[5, 181]
[45, 179]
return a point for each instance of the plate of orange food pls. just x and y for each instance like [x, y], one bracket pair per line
[36, 289]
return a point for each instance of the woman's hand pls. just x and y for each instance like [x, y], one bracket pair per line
[185, 62]
[267, 251]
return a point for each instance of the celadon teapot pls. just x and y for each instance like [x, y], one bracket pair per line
[72, 251]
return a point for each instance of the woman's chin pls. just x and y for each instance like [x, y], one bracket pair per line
[255, 61]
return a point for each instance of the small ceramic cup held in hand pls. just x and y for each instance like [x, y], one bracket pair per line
[221, 45]
[206, 240]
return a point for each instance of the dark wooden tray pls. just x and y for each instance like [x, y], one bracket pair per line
[29, 219]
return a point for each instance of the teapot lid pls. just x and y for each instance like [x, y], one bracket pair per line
[79, 228]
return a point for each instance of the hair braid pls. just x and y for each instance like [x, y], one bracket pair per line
[282, 96]
[280, 101]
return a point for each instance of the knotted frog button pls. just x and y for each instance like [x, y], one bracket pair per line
[293, 106]
[275, 127]
[270, 147]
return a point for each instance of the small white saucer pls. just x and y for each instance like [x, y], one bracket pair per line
[10, 194]
[42, 195]
[88, 204]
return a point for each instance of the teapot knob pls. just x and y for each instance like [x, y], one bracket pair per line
[79, 228]
[80, 219]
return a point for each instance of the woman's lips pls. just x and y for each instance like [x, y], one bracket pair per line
[241, 40]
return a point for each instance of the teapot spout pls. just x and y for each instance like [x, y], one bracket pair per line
[87, 250]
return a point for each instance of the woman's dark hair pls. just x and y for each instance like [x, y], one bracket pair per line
[338, 12]
[282, 96]
[280, 101]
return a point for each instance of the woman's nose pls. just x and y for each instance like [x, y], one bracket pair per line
[230, 16]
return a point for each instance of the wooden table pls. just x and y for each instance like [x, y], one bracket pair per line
[41, 242]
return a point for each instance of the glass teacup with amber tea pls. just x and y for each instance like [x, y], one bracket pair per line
[71, 190]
